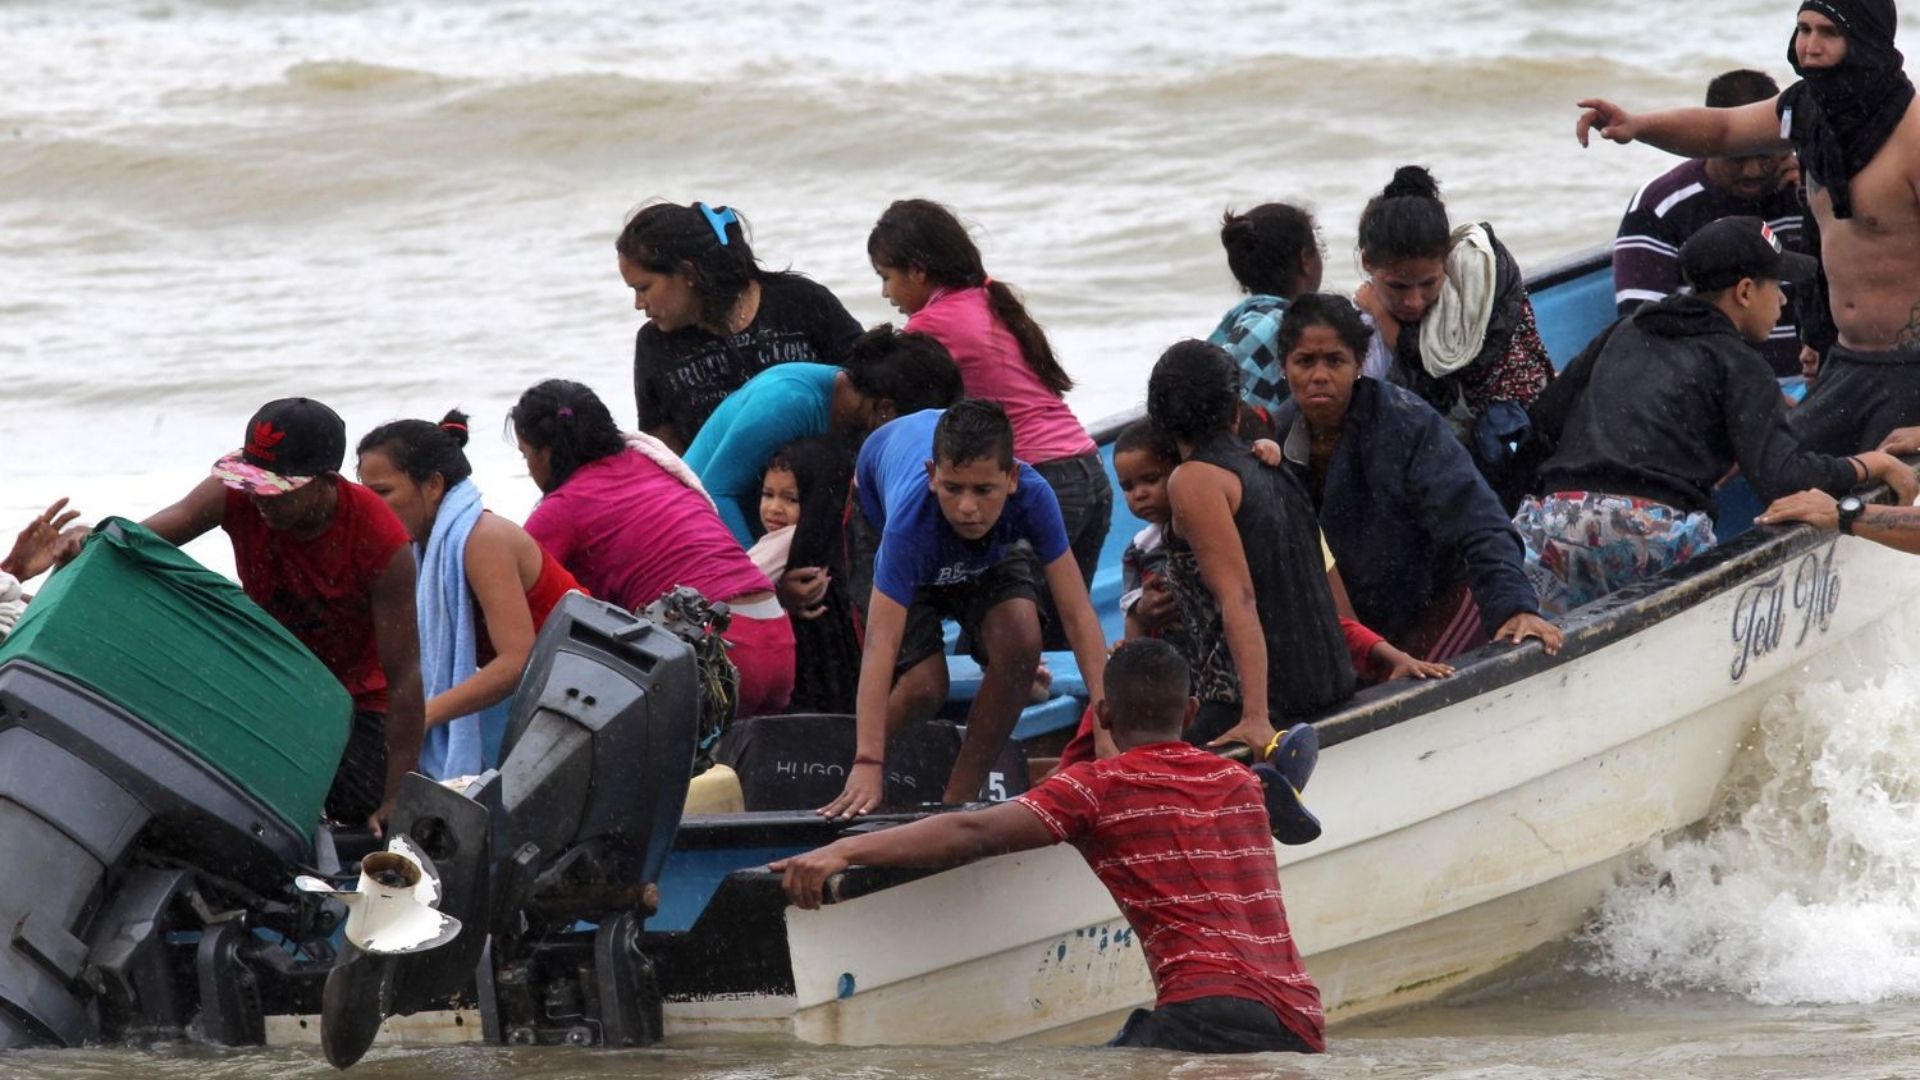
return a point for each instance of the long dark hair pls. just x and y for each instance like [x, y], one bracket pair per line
[922, 233]
[421, 448]
[570, 422]
[1267, 247]
[1194, 391]
[667, 238]
[1407, 220]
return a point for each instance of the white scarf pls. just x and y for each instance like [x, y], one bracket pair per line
[1453, 333]
[662, 455]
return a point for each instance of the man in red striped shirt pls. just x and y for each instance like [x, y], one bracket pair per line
[1180, 837]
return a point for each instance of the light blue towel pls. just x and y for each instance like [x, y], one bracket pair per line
[467, 744]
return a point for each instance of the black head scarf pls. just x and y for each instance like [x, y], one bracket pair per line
[1841, 116]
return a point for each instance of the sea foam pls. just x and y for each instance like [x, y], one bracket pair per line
[1806, 889]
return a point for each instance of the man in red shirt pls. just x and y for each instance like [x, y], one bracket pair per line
[330, 562]
[1177, 834]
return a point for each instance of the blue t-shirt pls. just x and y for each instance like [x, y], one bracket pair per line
[777, 406]
[917, 546]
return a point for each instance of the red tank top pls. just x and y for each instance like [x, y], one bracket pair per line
[553, 583]
[322, 589]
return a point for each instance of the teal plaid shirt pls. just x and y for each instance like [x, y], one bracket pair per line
[1247, 333]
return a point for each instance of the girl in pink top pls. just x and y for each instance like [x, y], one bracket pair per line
[931, 271]
[630, 531]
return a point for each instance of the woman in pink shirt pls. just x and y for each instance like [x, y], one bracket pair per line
[931, 271]
[629, 529]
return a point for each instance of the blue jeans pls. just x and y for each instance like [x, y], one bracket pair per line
[1085, 495]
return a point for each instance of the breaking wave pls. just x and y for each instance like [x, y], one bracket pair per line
[1807, 891]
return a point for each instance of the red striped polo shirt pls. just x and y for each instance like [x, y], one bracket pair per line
[1180, 837]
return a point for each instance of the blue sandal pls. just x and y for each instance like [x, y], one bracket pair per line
[1283, 775]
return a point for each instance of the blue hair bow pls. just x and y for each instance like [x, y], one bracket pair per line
[719, 219]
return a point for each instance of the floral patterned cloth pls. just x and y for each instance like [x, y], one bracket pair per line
[1582, 545]
[1517, 374]
[1204, 640]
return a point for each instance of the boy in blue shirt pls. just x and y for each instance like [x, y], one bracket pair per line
[953, 509]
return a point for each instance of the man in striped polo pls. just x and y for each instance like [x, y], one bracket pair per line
[1180, 837]
[1697, 192]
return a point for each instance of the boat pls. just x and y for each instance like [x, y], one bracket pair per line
[589, 893]
[1468, 821]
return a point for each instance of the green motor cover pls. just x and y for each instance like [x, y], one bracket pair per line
[139, 622]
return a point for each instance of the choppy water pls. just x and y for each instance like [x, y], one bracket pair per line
[405, 206]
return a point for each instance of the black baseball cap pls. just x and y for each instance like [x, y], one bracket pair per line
[289, 442]
[1740, 247]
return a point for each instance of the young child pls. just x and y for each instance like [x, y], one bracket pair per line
[952, 505]
[779, 513]
[803, 508]
[1204, 902]
[1142, 460]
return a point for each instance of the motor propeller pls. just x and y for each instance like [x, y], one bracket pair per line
[394, 912]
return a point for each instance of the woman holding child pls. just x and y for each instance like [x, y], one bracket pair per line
[1245, 561]
[1427, 554]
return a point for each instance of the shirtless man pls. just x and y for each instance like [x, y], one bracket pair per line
[1854, 122]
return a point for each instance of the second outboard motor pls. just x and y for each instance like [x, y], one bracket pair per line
[598, 753]
[572, 829]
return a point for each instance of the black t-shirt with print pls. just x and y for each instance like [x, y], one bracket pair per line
[679, 378]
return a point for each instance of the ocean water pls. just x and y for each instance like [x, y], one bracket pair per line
[402, 207]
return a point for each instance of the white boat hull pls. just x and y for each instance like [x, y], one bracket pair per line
[1455, 842]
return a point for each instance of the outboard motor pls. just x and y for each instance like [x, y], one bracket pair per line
[165, 752]
[551, 861]
[155, 726]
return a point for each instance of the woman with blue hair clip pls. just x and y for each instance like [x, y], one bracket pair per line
[715, 318]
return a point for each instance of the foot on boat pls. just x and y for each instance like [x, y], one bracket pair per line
[1288, 818]
[1042, 688]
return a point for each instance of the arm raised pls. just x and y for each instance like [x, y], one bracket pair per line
[1694, 132]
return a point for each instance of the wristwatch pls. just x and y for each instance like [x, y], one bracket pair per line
[1850, 510]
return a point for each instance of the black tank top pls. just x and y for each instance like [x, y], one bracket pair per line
[1308, 669]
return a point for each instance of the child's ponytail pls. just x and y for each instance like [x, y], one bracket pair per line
[1033, 340]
